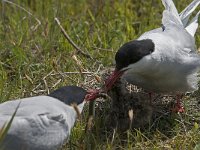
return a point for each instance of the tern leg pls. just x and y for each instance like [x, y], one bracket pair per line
[178, 107]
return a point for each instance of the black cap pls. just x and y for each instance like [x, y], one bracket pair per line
[69, 94]
[132, 52]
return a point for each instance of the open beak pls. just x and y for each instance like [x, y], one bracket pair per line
[112, 79]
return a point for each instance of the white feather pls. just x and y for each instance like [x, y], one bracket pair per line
[41, 123]
[187, 12]
[173, 66]
[192, 27]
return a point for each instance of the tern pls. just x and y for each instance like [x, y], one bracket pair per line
[163, 60]
[42, 122]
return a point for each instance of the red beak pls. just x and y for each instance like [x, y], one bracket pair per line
[112, 79]
[92, 94]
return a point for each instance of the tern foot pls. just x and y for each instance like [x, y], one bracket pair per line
[178, 109]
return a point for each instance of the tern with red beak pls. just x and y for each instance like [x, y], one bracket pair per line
[163, 60]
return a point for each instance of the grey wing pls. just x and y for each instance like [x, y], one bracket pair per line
[31, 106]
[36, 132]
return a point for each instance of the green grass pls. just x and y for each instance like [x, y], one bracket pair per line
[34, 59]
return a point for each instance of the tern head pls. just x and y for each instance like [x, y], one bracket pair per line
[128, 54]
[74, 94]
[69, 94]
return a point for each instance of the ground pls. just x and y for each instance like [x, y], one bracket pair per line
[36, 58]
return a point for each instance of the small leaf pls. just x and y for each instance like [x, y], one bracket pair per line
[196, 126]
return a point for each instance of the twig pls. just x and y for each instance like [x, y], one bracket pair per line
[48, 74]
[29, 78]
[39, 22]
[182, 122]
[39, 91]
[68, 73]
[103, 49]
[78, 50]
[131, 116]
[79, 65]
[113, 136]
[33, 90]
[57, 83]
[46, 86]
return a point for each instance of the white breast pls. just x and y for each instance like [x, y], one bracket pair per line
[171, 67]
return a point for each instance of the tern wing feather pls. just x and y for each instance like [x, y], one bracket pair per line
[192, 27]
[170, 14]
[186, 13]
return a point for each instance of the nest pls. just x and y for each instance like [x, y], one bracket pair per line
[132, 108]
[129, 108]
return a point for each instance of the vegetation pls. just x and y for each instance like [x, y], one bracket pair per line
[35, 58]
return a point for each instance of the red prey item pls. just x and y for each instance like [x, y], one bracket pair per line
[112, 79]
[92, 94]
